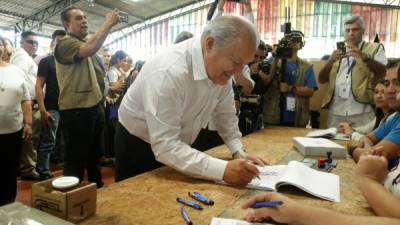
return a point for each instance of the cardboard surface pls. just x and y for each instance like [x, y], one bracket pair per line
[73, 204]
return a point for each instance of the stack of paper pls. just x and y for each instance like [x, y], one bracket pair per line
[318, 147]
[330, 133]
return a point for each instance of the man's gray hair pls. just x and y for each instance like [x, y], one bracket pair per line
[356, 19]
[225, 29]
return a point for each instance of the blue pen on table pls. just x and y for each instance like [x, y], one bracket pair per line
[189, 203]
[244, 156]
[199, 197]
[185, 216]
[266, 204]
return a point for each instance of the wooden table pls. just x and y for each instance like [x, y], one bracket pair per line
[150, 198]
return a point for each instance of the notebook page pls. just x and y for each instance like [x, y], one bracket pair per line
[319, 184]
[269, 176]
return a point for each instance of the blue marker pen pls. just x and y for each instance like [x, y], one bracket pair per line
[199, 197]
[189, 203]
[266, 204]
[186, 216]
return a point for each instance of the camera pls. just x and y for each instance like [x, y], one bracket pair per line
[124, 16]
[341, 46]
[284, 49]
[250, 103]
[264, 66]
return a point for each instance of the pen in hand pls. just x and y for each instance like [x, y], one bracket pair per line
[273, 203]
[243, 155]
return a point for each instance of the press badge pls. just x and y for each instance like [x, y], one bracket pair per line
[290, 103]
[344, 91]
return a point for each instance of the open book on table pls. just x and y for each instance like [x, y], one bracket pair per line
[320, 184]
[330, 133]
[223, 221]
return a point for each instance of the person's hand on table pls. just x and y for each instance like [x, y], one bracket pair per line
[239, 172]
[345, 128]
[286, 213]
[372, 167]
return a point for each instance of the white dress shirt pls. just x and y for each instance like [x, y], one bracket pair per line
[349, 106]
[13, 91]
[171, 100]
[26, 63]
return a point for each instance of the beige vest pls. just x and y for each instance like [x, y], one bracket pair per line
[362, 79]
[271, 108]
[78, 85]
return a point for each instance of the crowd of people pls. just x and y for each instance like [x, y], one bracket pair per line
[212, 89]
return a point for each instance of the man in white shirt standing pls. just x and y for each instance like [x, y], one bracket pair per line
[175, 94]
[23, 58]
[351, 76]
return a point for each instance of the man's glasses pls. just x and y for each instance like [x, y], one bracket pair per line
[32, 42]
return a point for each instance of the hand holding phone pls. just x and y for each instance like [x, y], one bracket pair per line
[341, 46]
[123, 16]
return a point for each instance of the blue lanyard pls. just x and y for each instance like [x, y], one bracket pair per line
[350, 67]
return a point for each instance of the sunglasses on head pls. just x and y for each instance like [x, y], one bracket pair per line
[32, 42]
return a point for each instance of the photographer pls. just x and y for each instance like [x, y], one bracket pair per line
[351, 73]
[296, 81]
[250, 117]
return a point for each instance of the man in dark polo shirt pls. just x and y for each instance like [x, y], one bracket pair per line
[80, 76]
[48, 107]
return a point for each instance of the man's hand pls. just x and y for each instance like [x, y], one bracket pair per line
[284, 87]
[356, 53]
[113, 17]
[239, 172]
[336, 55]
[286, 213]
[27, 132]
[345, 128]
[118, 86]
[373, 167]
[254, 68]
[46, 118]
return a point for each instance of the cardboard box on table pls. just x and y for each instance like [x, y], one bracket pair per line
[74, 204]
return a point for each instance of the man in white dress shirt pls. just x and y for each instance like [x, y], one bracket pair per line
[23, 58]
[175, 95]
[351, 76]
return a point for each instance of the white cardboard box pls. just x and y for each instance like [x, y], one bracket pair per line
[318, 147]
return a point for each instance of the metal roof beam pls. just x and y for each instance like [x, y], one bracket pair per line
[42, 16]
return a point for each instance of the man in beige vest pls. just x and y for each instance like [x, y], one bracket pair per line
[80, 76]
[351, 77]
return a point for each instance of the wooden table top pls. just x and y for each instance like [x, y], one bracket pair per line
[150, 198]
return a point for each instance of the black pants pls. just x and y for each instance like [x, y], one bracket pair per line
[207, 139]
[11, 144]
[133, 156]
[83, 130]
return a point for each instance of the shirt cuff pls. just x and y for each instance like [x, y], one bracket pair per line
[234, 145]
[216, 169]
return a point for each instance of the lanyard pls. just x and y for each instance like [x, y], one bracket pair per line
[350, 66]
